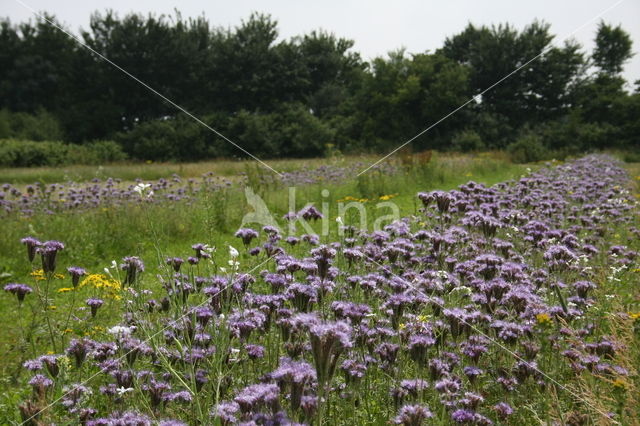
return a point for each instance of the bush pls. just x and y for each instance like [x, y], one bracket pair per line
[528, 149]
[467, 140]
[96, 152]
[20, 153]
[41, 126]
[176, 138]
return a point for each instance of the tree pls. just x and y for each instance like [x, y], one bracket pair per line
[613, 49]
[536, 91]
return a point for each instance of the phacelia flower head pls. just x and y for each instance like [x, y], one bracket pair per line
[20, 290]
[32, 244]
[94, 304]
[49, 251]
[412, 415]
[133, 266]
[246, 234]
[76, 273]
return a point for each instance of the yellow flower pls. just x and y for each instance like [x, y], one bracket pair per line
[402, 326]
[67, 331]
[65, 289]
[620, 383]
[100, 281]
[543, 318]
[52, 307]
[38, 275]
[387, 197]
[634, 315]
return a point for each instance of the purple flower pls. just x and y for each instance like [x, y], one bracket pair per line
[32, 244]
[51, 363]
[227, 412]
[463, 416]
[310, 213]
[79, 348]
[246, 234]
[33, 365]
[297, 375]
[258, 396]
[40, 384]
[126, 418]
[328, 341]
[76, 273]
[412, 415]
[94, 304]
[48, 251]
[503, 410]
[181, 396]
[254, 351]
[20, 290]
[201, 251]
[133, 266]
[175, 263]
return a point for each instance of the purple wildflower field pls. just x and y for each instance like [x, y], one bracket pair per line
[71, 196]
[491, 305]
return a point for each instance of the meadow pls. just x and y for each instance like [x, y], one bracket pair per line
[492, 292]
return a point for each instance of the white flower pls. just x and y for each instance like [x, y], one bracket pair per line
[442, 274]
[122, 390]
[142, 188]
[233, 252]
[120, 330]
[339, 220]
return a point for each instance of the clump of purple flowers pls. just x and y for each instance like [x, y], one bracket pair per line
[20, 290]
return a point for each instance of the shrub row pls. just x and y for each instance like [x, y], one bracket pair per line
[21, 153]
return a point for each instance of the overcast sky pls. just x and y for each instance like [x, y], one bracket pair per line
[376, 26]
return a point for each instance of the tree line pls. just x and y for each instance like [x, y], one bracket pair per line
[312, 93]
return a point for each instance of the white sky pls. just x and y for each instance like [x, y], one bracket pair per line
[376, 26]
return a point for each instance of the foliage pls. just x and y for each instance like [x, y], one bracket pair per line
[528, 148]
[467, 140]
[613, 49]
[291, 97]
[21, 153]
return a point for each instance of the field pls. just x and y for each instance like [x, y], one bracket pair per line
[434, 289]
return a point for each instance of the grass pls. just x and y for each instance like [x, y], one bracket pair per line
[153, 171]
[96, 237]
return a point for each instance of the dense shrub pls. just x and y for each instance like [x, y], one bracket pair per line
[528, 148]
[20, 153]
[41, 126]
[176, 138]
[467, 140]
